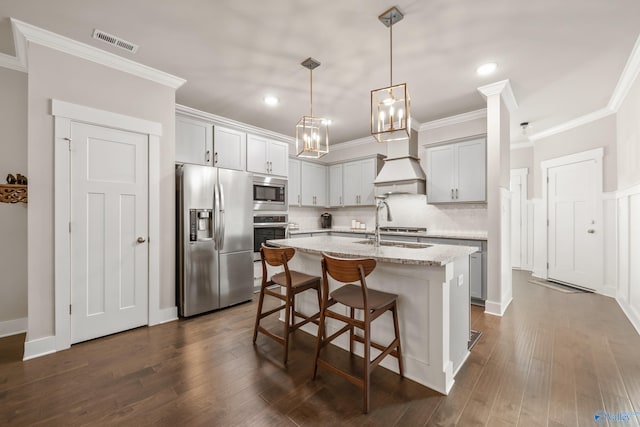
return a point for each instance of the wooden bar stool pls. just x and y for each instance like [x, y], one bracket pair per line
[293, 282]
[355, 296]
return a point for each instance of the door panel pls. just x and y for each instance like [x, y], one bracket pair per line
[440, 174]
[574, 214]
[109, 211]
[236, 277]
[236, 222]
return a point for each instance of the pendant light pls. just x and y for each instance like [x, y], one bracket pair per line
[390, 106]
[312, 133]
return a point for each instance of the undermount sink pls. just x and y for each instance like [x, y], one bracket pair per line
[406, 245]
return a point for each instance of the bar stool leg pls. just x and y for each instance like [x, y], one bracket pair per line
[394, 309]
[287, 322]
[260, 301]
[352, 313]
[319, 340]
[367, 366]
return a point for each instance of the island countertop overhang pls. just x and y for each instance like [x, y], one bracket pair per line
[434, 255]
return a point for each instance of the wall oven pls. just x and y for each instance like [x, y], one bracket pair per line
[269, 194]
[268, 227]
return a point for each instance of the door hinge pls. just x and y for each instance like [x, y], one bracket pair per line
[547, 265]
[547, 180]
[69, 308]
[69, 226]
[68, 143]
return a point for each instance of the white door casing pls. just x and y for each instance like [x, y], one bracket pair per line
[573, 195]
[519, 220]
[64, 114]
[109, 231]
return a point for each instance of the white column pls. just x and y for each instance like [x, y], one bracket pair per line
[500, 101]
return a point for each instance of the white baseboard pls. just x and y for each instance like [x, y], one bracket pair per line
[496, 308]
[631, 313]
[13, 327]
[164, 315]
[39, 347]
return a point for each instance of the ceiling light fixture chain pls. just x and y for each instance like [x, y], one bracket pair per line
[312, 133]
[390, 106]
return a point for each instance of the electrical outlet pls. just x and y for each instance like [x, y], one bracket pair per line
[460, 279]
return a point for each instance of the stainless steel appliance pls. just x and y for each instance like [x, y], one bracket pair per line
[269, 194]
[268, 227]
[214, 241]
[325, 220]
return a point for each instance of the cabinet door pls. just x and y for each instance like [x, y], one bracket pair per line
[294, 182]
[257, 149]
[278, 157]
[471, 166]
[229, 148]
[313, 184]
[335, 185]
[368, 173]
[440, 174]
[475, 275]
[351, 183]
[194, 141]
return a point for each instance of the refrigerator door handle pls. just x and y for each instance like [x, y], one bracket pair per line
[221, 216]
[216, 219]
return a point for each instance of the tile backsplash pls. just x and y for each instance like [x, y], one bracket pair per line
[407, 210]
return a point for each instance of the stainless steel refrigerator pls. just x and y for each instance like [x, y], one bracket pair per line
[214, 237]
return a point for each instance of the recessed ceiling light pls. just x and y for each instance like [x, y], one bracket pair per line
[271, 100]
[487, 68]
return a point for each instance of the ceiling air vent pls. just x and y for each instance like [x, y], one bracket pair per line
[114, 41]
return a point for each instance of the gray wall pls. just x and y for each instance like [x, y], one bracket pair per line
[601, 133]
[13, 217]
[53, 74]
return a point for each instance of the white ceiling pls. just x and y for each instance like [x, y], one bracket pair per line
[563, 58]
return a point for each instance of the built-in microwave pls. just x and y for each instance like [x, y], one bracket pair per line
[269, 194]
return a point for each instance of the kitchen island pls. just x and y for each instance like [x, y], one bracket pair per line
[432, 282]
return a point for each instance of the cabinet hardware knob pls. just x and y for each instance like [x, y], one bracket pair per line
[591, 231]
[141, 240]
[207, 156]
[215, 158]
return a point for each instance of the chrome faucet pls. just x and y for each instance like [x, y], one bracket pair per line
[380, 202]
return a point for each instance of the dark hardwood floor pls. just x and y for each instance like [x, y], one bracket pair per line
[554, 359]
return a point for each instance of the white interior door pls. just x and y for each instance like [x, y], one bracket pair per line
[109, 229]
[574, 214]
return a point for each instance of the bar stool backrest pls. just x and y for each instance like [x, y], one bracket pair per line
[347, 270]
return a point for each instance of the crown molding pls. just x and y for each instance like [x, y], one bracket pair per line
[520, 145]
[627, 78]
[580, 121]
[223, 121]
[12, 62]
[24, 33]
[353, 143]
[503, 87]
[454, 120]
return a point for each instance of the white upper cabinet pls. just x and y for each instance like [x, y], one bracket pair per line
[457, 172]
[229, 148]
[358, 177]
[294, 182]
[313, 184]
[194, 141]
[267, 157]
[335, 185]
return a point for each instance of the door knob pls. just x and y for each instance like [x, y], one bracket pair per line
[591, 231]
[141, 240]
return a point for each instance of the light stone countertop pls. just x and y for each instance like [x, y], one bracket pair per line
[446, 234]
[434, 255]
